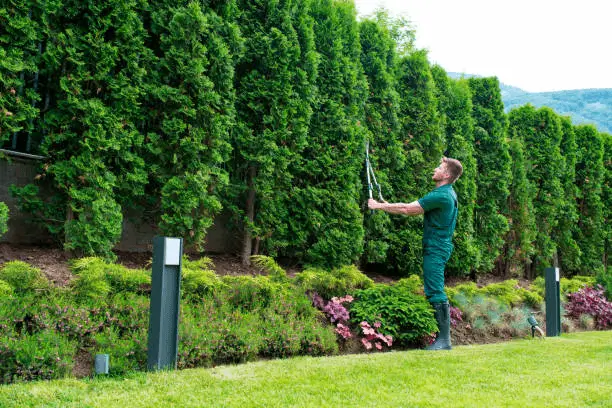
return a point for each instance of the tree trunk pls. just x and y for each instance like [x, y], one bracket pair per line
[247, 243]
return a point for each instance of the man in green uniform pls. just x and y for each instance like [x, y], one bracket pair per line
[440, 210]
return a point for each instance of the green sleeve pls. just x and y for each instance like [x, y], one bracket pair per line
[431, 201]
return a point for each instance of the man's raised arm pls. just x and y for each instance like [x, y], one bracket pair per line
[413, 208]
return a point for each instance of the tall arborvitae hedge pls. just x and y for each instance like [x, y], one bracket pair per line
[494, 169]
[379, 61]
[167, 111]
[90, 73]
[327, 205]
[516, 256]
[540, 129]
[606, 197]
[589, 180]
[188, 112]
[20, 42]
[568, 250]
[455, 104]
[274, 91]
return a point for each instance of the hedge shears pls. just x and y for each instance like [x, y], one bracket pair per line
[370, 174]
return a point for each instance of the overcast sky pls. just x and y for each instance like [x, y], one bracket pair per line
[535, 45]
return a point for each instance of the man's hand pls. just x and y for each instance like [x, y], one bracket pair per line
[375, 205]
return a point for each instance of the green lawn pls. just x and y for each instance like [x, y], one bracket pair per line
[574, 370]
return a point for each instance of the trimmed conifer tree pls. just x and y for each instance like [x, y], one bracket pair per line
[90, 72]
[568, 250]
[20, 39]
[379, 61]
[589, 179]
[607, 203]
[540, 129]
[189, 113]
[519, 248]
[494, 169]
[326, 208]
[274, 91]
[455, 104]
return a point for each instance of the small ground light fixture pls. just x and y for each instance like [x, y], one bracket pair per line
[535, 326]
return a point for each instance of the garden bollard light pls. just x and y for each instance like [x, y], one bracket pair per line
[553, 302]
[165, 297]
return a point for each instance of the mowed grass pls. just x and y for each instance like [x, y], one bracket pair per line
[574, 370]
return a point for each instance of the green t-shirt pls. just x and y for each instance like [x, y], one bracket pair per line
[440, 207]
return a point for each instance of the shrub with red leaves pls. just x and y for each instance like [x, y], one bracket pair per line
[591, 301]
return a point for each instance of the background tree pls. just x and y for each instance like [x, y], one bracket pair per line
[189, 113]
[274, 89]
[379, 61]
[20, 39]
[91, 72]
[519, 248]
[494, 169]
[327, 207]
[541, 132]
[607, 201]
[568, 250]
[589, 179]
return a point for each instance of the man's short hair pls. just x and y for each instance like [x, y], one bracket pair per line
[454, 168]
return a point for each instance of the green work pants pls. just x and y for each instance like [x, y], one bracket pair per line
[433, 275]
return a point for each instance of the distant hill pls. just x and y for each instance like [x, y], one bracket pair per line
[592, 106]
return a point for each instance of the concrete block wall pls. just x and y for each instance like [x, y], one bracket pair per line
[19, 171]
[137, 236]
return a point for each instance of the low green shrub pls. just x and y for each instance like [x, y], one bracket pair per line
[269, 265]
[97, 278]
[23, 277]
[91, 284]
[251, 292]
[126, 352]
[6, 290]
[199, 278]
[508, 293]
[404, 315]
[44, 355]
[335, 282]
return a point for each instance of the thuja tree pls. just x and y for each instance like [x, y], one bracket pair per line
[540, 129]
[567, 248]
[89, 75]
[379, 60]
[606, 196]
[516, 255]
[494, 172]
[19, 56]
[326, 206]
[589, 179]
[422, 138]
[189, 112]
[274, 90]
[4, 213]
[455, 104]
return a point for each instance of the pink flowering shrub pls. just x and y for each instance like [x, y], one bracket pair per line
[371, 337]
[590, 301]
[336, 312]
[456, 316]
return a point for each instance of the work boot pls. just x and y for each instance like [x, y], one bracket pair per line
[443, 340]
